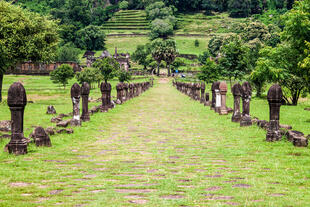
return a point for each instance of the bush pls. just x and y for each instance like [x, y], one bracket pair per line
[160, 28]
[196, 43]
[91, 38]
[123, 5]
[124, 76]
[62, 74]
[68, 52]
[89, 75]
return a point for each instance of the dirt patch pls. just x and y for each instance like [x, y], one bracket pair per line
[213, 188]
[19, 184]
[139, 201]
[97, 191]
[54, 192]
[241, 186]
[135, 190]
[175, 196]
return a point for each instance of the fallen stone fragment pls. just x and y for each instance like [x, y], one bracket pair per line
[63, 123]
[263, 124]
[66, 131]
[300, 141]
[41, 138]
[51, 110]
[284, 126]
[292, 134]
[307, 109]
[50, 130]
[56, 120]
[5, 126]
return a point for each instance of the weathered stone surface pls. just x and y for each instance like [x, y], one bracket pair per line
[223, 91]
[64, 123]
[300, 141]
[284, 126]
[246, 99]
[263, 124]
[119, 92]
[274, 98]
[202, 91]
[95, 109]
[85, 94]
[65, 131]
[5, 136]
[290, 135]
[51, 110]
[5, 126]
[75, 97]
[106, 96]
[62, 115]
[41, 138]
[237, 93]
[50, 130]
[56, 120]
[307, 109]
[17, 101]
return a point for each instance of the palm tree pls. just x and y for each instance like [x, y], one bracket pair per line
[158, 52]
[170, 53]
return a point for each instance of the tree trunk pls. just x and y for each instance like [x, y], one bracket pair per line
[169, 71]
[157, 69]
[1, 81]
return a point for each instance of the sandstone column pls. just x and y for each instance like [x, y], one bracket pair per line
[75, 97]
[106, 96]
[202, 90]
[207, 100]
[237, 92]
[17, 101]
[85, 95]
[274, 98]
[213, 96]
[223, 91]
[119, 93]
[246, 99]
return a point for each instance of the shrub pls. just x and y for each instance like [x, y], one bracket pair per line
[123, 5]
[68, 52]
[196, 43]
[62, 74]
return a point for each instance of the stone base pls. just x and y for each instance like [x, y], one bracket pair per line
[300, 142]
[104, 109]
[217, 109]
[75, 122]
[17, 148]
[85, 118]
[223, 111]
[273, 136]
[207, 103]
[245, 121]
[236, 118]
[43, 142]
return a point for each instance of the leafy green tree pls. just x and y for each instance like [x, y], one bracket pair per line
[170, 53]
[91, 38]
[178, 62]
[239, 8]
[124, 76]
[123, 5]
[158, 10]
[256, 6]
[234, 60]
[89, 75]
[157, 52]
[215, 45]
[62, 74]
[24, 35]
[161, 29]
[68, 52]
[209, 71]
[140, 55]
[209, 6]
[108, 67]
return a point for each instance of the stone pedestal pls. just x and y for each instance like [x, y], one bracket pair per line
[218, 101]
[207, 100]
[274, 98]
[75, 97]
[85, 94]
[214, 86]
[119, 92]
[126, 95]
[130, 91]
[51, 110]
[246, 99]
[41, 138]
[223, 91]
[106, 96]
[237, 92]
[17, 101]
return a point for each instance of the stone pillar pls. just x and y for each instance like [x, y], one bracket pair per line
[17, 101]
[218, 101]
[213, 96]
[126, 85]
[41, 138]
[207, 100]
[119, 92]
[202, 90]
[75, 97]
[223, 91]
[106, 96]
[85, 95]
[274, 98]
[197, 91]
[130, 91]
[246, 99]
[237, 92]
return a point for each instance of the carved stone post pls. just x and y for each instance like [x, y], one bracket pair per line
[202, 89]
[106, 96]
[130, 91]
[85, 95]
[237, 92]
[213, 96]
[217, 100]
[274, 98]
[119, 92]
[197, 91]
[207, 100]
[246, 99]
[126, 86]
[75, 97]
[223, 91]
[17, 101]
[41, 138]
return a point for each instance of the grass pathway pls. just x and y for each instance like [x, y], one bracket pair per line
[160, 149]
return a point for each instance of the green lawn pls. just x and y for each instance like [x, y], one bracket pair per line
[160, 149]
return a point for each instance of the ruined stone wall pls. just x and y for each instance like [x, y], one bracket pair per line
[31, 68]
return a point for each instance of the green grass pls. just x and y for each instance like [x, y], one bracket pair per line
[159, 144]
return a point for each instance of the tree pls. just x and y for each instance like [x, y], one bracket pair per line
[239, 8]
[160, 28]
[140, 55]
[124, 76]
[215, 45]
[157, 52]
[209, 71]
[256, 6]
[234, 61]
[209, 6]
[62, 74]
[89, 75]
[91, 38]
[108, 68]
[24, 35]
[170, 53]
[68, 52]
[123, 5]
